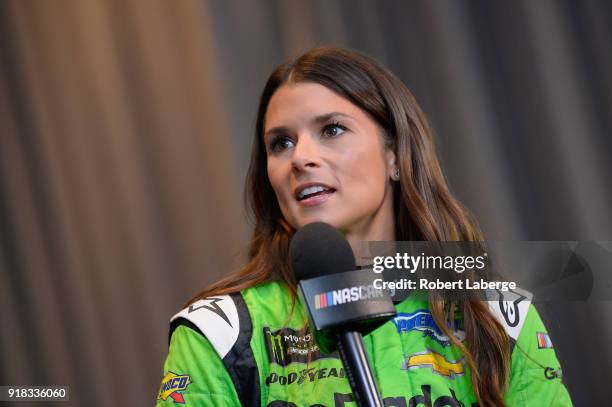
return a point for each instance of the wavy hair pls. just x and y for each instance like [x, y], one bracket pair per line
[424, 207]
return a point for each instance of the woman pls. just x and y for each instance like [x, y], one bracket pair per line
[339, 139]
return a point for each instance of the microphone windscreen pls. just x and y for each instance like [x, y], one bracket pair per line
[318, 249]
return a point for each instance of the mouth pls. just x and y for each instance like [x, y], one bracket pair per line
[313, 194]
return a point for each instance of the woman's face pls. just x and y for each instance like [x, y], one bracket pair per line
[327, 162]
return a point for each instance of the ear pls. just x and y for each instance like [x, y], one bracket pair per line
[392, 168]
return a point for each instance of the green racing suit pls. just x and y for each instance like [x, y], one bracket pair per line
[251, 348]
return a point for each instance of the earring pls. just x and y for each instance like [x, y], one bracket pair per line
[396, 174]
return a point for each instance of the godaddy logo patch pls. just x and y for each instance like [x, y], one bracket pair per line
[171, 385]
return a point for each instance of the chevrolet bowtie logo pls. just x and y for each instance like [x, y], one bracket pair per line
[438, 363]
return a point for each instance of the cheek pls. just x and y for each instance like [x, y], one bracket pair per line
[366, 171]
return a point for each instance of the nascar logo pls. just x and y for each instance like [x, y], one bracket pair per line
[346, 295]
[438, 363]
[544, 341]
[324, 300]
[170, 386]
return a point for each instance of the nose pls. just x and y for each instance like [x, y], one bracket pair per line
[305, 154]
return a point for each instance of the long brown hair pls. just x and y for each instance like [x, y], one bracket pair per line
[424, 207]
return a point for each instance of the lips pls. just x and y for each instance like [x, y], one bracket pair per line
[313, 193]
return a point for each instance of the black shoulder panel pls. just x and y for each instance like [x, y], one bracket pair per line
[240, 361]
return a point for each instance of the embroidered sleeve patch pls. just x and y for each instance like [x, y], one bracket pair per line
[172, 386]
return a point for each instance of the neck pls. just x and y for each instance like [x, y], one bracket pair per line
[361, 248]
[378, 228]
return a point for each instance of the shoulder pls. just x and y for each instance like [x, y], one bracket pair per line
[518, 315]
[536, 373]
[512, 309]
[222, 325]
[224, 320]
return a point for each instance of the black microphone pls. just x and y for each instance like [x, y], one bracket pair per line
[342, 303]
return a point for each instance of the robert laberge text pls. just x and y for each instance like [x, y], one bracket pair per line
[425, 284]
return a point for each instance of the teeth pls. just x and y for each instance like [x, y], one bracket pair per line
[311, 190]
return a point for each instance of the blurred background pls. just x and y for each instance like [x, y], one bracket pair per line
[125, 135]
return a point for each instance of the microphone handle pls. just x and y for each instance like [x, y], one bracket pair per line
[353, 355]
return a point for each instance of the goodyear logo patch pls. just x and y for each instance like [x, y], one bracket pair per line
[171, 385]
[544, 341]
[438, 363]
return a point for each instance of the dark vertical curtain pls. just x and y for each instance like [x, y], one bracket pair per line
[125, 134]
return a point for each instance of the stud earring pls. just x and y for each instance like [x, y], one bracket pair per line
[396, 174]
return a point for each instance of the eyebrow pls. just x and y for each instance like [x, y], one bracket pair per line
[317, 119]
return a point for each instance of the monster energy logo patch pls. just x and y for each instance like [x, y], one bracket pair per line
[286, 346]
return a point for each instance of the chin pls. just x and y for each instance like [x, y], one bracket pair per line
[319, 218]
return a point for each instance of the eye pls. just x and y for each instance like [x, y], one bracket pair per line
[280, 143]
[333, 130]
